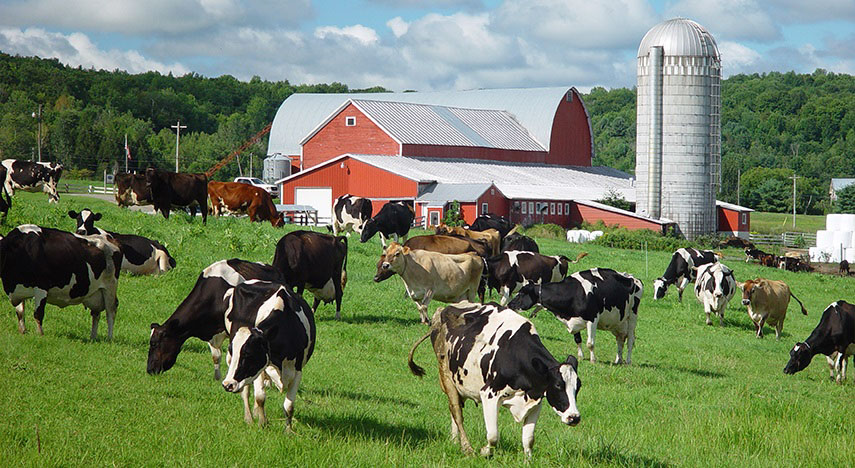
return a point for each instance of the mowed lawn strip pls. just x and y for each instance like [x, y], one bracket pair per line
[695, 394]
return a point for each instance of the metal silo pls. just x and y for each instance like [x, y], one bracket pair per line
[276, 167]
[678, 133]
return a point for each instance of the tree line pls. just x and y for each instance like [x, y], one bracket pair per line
[86, 114]
[773, 125]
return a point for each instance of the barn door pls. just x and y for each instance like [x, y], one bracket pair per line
[318, 197]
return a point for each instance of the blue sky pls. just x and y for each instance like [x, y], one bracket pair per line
[421, 44]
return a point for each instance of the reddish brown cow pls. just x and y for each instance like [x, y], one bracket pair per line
[234, 197]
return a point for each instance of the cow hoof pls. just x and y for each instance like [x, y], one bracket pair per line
[467, 449]
[289, 430]
[486, 451]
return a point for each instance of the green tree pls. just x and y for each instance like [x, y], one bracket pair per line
[845, 200]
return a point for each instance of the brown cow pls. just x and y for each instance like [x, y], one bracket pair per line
[490, 236]
[767, 301]
[436, 243]
[235, 197]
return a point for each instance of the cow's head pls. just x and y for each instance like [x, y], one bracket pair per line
[562, 387]
[163, 347]
[391, 261]
[800, 357]
[85, 221]
[660, 287]
[249, 348]
[748, 288]
[528, 296]
[368, 230]
[152, 178]
[278, 219]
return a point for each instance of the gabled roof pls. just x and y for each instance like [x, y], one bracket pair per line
[533, 108]
[421, 124]
[732, 206]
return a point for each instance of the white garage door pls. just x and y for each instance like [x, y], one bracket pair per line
[318, 197]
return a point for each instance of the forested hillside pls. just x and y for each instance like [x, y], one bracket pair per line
[86, 114]
[772, 124]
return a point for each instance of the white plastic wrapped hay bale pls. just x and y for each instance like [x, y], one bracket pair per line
[849, 255]
[846, 222]
[824, 239]
[832, 222]
[578, 236]
[842, 238]
[595, 234]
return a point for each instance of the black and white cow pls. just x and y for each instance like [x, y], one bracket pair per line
[350, 213]
[714, 288]
[32, 177]
[491, 221]
[201, 314]
[394, 219]
[5, 203]
[683, 268]
[834, 334]
[516, 241]
[60, 268]
[509, 271]
[141, 256]
[314, 261]
[754, 254]
[271, 331]
[599, 298]
[494, 356]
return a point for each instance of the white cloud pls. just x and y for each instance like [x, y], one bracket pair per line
[398, 26]
[359, 32]
[732, 19]
[737, 58]
[77, 49]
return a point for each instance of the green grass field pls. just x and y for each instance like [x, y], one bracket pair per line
[776, 223]
[695, 395]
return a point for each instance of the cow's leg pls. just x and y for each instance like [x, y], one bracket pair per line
[832, 364]
[216, 345]
[592, 331]
[778, 327]
[96, 317]
[455, 405]
[423, 306]
[39, 302]
[315, 305]
[290, 398]
[491, 421]
[338, 295]
[382, 239]
[620, 338]
[244, 396]
[19, 311]
[506, 296]
[534, 312]
[111, 304]
[707, 311]
[683, 283]
[260, 396]
[760, 327]
[630, 342]
[577, 337]
[528, 429]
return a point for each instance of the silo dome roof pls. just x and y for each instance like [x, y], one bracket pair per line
[680, 37]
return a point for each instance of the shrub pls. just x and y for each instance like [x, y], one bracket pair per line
[548, 231]
[453, 217]
[615, 199]
[623, 238]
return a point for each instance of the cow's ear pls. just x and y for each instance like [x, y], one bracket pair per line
[154, 325]
[405, 250]
[72, 214]
[539, 366]
[97, 216]
[740, 285]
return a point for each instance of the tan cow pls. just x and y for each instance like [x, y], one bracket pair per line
[490, 236]
[767, 301]
[431, 275]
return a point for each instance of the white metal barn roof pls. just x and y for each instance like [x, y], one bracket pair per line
[533, 108]
[441, 193]
[680, 37]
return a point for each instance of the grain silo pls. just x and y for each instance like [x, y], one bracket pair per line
[678, 133]
[276, 167]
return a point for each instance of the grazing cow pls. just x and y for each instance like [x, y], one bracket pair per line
[515, 241]
[835, 333]
[494, 356]
[734, 241]
[683, 268]
[599, 298]
[509, 271]
[60, 268]
[770, 260]
[235, 197]
[271, 331]
[754, 254]
[314, 261]
[140, 255]
[170, 189]
[32, 177]
[843, 268]
[714, 288]
[491, 221]
[350, 213]
[490, 236]
[437, 243]
[131, 189]
[430, 275]
[202, 312]
[767, 301]
[394, 219]
[5, 203]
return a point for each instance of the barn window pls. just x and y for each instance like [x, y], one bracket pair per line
[523, 207]
[492, 191]
[744, 218]
[567, 208]
[531, 207]
[552, 208]
[559, 209]
[350, 121]
[517, 205]
[434, 218]
[484, 208]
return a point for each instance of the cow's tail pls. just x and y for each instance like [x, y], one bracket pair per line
[804, 311]
[417, 370]
[578, 257]
[344, 265]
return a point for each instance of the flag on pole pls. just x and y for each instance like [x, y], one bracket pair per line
[127, 150]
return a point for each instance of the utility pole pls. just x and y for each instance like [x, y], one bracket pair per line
[177, 128]
[250, 164]
[794, 177]
[39, 117]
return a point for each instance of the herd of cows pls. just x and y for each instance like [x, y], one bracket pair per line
[486, 352]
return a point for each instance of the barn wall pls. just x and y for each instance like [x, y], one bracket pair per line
[516, 215]
[571, 138]
[470, 152]
[579, 213]
[336, 138]
[731, 221]
[496, 202]
[467, 209]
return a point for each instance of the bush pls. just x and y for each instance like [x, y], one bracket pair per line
[548, 231]
[615, 199]
[78, 174]
[453, 217]
[623, 238]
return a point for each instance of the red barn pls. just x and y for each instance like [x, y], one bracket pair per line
[733, 219]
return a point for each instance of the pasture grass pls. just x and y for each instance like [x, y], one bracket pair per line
[776, 223]
[695, 395]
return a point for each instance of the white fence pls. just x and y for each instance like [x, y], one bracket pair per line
[787, 239]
